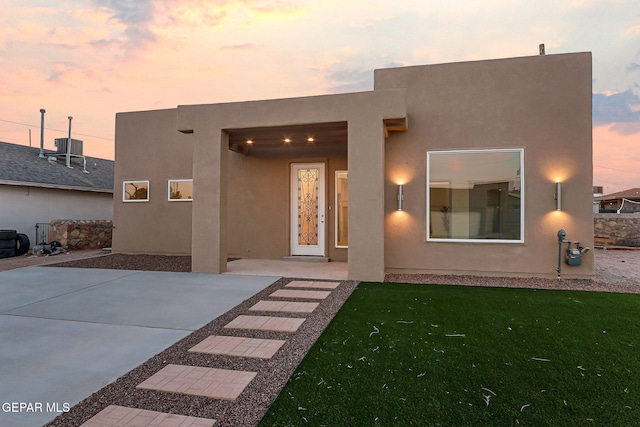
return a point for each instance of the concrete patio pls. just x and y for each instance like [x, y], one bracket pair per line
[304, 270]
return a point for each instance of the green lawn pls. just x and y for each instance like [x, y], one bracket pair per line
[400, 354]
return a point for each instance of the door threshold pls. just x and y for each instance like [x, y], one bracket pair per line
[306, 258]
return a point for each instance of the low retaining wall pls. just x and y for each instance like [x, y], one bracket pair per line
[616, 229]
[81, 234]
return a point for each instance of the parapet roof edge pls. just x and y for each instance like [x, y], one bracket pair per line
[305, 97]
[509, 58]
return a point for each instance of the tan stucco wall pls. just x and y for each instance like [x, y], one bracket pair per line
[541, 104]
[148, 147]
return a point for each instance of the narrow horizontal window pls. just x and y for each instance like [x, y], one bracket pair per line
[475, 195]
[135, 191]
[180, 190]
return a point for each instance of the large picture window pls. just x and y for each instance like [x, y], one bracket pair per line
[475, 195]
[135, 191]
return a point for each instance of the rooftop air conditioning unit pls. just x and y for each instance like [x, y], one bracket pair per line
[76, 146]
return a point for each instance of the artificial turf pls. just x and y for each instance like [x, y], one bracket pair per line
[399, 354]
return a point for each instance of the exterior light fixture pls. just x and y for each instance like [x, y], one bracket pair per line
[400, 197]
[249, 141]
[310, 139]
[558, 196]
[287, 140]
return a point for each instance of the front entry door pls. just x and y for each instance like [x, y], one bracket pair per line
[307, 209]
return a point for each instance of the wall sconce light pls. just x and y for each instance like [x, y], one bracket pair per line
[400, 197]
[558, 196]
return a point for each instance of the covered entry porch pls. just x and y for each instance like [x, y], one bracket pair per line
[332, 133]
[283, 194]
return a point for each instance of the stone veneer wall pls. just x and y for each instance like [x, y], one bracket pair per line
[616, 229]
[81, 234]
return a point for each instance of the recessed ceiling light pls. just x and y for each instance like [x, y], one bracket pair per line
[287, 140]
[249, 141]
[310, 139]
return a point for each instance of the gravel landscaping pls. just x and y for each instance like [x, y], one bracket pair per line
[616, 271]
[246, 410]
[177, 264]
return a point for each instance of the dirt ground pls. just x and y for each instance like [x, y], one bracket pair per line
[618, 266]
[28, 260]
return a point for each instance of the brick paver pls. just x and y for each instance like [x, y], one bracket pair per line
[238, 346]
[285, 306]
[215, 383]
[292, 293]
[120, 416]
[312, 284]
[266, 323]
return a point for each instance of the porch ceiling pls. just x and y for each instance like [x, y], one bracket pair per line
[323, 135]
[299, 136]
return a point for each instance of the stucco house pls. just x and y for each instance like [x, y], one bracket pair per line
[36, 190]
[461, 168]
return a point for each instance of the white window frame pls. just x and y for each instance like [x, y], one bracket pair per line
[522, 197]
[169, 182]
[124, 186]
[337, 208]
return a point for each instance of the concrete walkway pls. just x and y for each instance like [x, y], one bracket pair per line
[303, 270]
[65, 332]
[217, 382]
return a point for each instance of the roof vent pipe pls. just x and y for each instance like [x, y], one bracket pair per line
[42, 111]
[69, 144]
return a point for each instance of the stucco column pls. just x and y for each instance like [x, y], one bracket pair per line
[209, 213]
[366, 198]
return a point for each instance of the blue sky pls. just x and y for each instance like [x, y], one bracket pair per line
[91, 59]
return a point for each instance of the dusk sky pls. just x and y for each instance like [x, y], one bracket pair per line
[93, 58]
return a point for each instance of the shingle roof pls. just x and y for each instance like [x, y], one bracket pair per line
[21, 165]
[631, 193]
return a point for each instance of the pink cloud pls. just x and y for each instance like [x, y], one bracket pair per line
[616, 159]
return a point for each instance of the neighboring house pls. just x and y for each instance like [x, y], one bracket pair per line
[35, 190]
[449, 169]
[627, 201]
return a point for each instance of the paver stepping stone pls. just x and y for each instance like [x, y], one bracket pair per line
[120, 416]
[312, 284]
[224, 384]
[292, 293]
[238, 346]
[266, 323]
[285, 306]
